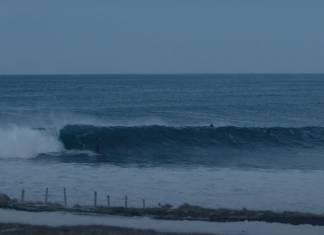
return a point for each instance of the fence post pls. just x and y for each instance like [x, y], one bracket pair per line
[46, 194]
[95, 198]
[108, 200]
[125, 201]
[64, 196]
[143, 203]
[22, 195]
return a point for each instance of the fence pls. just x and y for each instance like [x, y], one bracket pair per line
[64, 195]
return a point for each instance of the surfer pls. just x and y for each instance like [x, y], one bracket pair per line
[268, 131]
[98, 149]
[211, 125]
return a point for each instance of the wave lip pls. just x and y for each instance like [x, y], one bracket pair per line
[22, 142]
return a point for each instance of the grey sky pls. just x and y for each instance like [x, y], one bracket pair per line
[77, 36]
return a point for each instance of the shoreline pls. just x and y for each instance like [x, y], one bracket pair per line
[185, 212]
[23, 222]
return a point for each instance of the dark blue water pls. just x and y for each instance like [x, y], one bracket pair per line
[264, 151]
[259, 121]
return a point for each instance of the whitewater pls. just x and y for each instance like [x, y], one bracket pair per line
[264, 151]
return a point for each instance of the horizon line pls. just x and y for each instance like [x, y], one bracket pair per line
[73, 74]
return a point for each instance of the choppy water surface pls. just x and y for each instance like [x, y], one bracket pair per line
[264, 151]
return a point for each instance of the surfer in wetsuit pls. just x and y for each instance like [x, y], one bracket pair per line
[211, 125]
[268, 131]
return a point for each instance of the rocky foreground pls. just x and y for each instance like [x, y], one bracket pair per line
[164, 212]
[183, 212]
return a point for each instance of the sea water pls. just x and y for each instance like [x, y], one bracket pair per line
[264, 151]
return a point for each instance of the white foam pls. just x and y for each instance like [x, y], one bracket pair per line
[23, 142]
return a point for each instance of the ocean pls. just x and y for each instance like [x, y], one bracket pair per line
[265, 149]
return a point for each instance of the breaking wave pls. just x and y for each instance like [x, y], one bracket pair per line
[153, 140]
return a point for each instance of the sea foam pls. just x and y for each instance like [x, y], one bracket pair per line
[23, 142]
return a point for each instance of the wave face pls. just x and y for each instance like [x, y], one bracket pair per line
[158, 145]
[294, 148]
[87, 137]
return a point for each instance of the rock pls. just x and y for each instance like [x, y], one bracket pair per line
[4, 198]
[167, 206]
[134, 213]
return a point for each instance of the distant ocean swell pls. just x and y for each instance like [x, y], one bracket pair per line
[152, 140]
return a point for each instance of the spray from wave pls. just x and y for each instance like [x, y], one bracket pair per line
[22, 142]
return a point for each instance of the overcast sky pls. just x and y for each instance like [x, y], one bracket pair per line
[176, 36]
